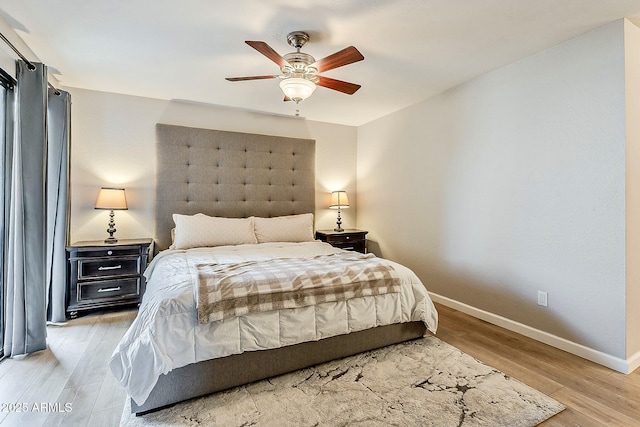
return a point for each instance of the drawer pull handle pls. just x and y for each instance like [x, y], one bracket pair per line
[348, 248]
[115, 267]
[109, 289]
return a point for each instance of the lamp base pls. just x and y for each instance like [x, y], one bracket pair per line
[111, 230]
[339, 228]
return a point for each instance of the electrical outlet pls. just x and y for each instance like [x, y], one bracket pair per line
[542, 298]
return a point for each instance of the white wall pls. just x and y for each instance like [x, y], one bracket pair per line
[512, 183]
[113, 142]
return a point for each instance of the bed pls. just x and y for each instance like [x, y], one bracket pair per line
[168, 355]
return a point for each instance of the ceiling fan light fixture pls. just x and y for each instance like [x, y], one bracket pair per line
[297, 89]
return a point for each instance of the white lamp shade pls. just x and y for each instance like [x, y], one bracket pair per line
[339, 199]
[297, 88]
[111, 199]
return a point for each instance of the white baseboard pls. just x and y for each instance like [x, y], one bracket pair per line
[612, 362]
[633, 362]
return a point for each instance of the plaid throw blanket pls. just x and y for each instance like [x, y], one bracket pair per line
[228, 290]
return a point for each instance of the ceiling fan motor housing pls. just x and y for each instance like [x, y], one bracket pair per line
[299, 63]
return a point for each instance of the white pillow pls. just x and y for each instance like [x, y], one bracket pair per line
[292, 228]
[193, 231]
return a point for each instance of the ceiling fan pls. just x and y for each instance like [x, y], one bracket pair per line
[300, 70]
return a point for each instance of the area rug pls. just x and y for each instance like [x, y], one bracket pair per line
[425, 382]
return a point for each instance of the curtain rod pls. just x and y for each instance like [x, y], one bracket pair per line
[29, 63]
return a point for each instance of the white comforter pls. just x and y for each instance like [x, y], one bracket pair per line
[166, 333]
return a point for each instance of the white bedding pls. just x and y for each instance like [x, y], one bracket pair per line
[166, 333]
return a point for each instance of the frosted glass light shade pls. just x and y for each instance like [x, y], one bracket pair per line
[297, 89]
[339, 199]
[111, 199]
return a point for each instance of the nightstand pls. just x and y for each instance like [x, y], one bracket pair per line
[101, 275]
[351, 240]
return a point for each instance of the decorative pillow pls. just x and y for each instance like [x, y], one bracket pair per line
[292, 228]
[193, 231]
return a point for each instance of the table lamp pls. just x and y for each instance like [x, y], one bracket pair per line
[111, 199]
[339, 200]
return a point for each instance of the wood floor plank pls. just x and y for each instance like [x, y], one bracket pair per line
[50, 382]
[593, 394]
[505, 364]
[106, 418]
[111, 395]
[592, 381]
[81, 401]
[73, 331]
[570, 418]
[94, 365]
[75, 352]
[603, 414]
[4, 368]
[20, 378]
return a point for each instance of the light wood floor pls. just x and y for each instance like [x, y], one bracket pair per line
[74, 370]
[594, 395]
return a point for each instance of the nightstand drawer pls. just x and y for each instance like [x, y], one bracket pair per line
[109, 251]
[103, 267]
[109, 289]
[350, 240]
[343, 239]
[357, 246]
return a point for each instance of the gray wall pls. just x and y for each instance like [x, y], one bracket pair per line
[512, 183]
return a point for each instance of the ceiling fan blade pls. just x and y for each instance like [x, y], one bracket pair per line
[240, 79]
[339, 85]
[286, 99]
[346, 56]
[267, 51]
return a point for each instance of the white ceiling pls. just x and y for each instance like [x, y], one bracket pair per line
[183, 49]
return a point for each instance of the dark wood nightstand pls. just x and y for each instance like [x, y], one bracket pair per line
[103, 275]
[349, 239]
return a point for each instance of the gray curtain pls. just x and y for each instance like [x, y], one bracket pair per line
[7, 145]
[58, 124]
[26, 254]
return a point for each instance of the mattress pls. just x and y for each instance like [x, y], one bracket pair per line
[166, 334]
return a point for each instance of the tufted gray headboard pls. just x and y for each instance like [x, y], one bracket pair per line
[230, 174]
